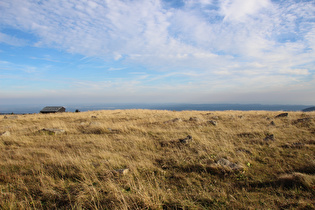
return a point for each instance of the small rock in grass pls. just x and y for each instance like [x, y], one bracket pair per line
[225, 166]
[223, 162]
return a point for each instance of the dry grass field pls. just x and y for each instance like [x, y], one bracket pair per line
[148, 159]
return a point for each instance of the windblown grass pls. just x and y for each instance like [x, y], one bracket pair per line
[83, 166]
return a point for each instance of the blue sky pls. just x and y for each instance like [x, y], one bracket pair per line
[157, 51]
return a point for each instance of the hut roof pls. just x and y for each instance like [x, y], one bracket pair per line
[51, 109]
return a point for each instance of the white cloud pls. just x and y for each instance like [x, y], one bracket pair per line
[115, 69]
[191, 3]
[238, 10]
[117, 56]
[295, 71]
[92, 85]
[146, 28]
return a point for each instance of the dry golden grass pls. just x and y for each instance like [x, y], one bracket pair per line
[81, 168]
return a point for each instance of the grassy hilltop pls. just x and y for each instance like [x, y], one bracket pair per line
[147, 159]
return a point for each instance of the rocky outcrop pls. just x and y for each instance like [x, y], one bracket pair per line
[224, 166]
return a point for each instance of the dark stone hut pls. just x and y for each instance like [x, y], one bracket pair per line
[53, 109]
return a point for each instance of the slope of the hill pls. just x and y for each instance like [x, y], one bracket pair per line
[310, 109]
[147, 159]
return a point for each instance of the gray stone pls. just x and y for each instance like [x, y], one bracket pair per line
[229, 165]
[223, 162]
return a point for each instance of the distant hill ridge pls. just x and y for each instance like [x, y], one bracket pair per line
[35, 108]
[310, 109]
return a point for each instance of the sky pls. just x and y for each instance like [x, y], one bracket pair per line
[157, 51]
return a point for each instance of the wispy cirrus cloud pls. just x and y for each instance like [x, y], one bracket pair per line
[10, 40]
